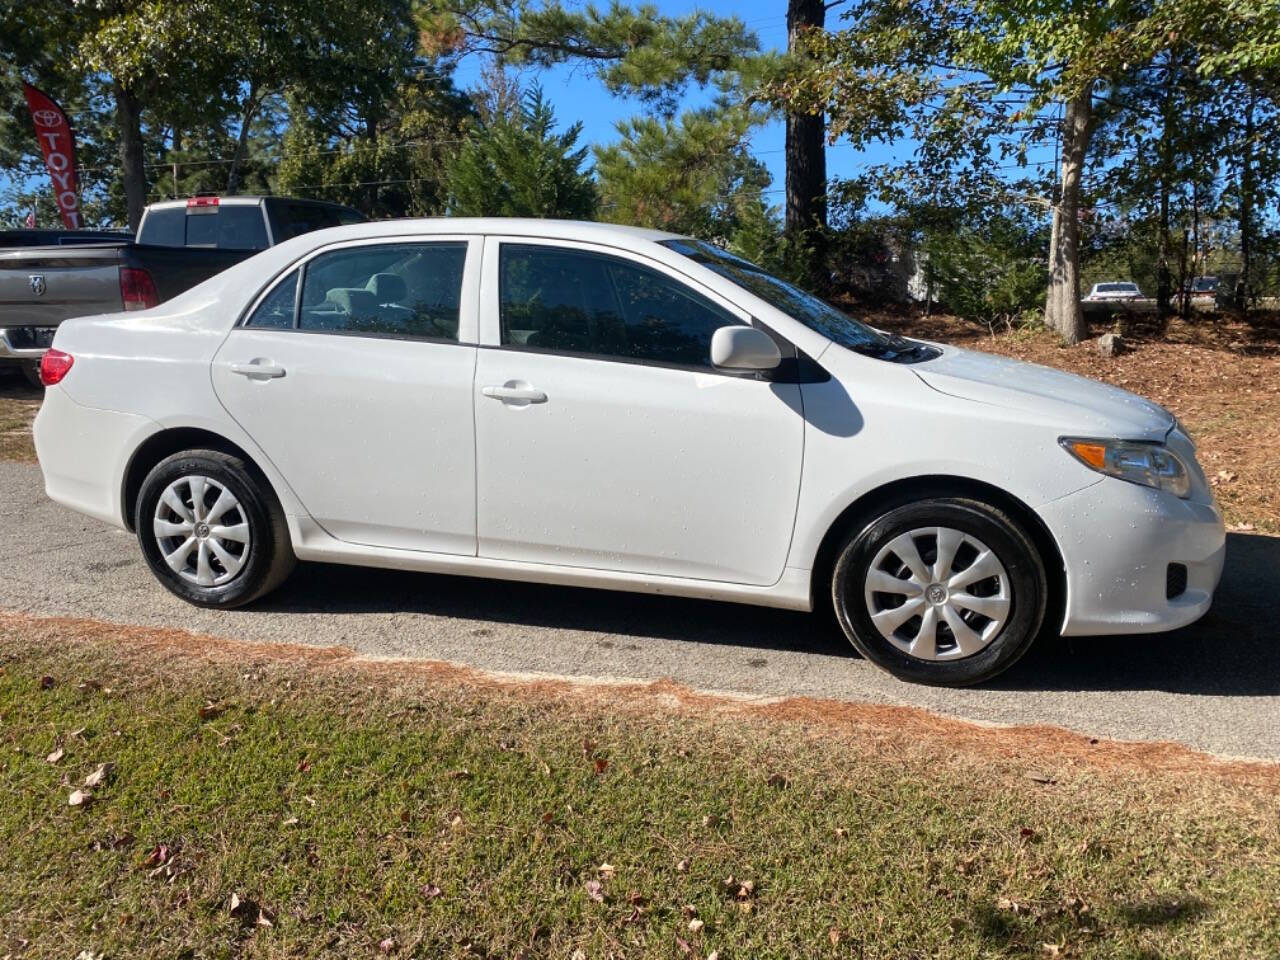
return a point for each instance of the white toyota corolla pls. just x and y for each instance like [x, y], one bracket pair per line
[609, 407]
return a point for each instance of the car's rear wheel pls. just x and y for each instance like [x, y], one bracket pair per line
[944, 591]
[211, 530]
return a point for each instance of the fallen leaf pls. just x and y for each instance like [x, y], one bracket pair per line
[682, 866]
[1041, 778]
[601, 765]
[430, 891]
[841, 833]
[57, 755]
[289, 823]
[1011, 906]
[210, 710]
[304, 765]
[778, 780]
[684, 946]
[689, 910]
[100, 774]
[696, 925]
[1026, 833]
[606, 871]
[713, 955]
[456, 823]
[594, 891]
[46, 683]
[159, 854]
[1051, 949]
[711, 821]
[746, 890]
[388, 945]
[459, 774]
[86, 686]
[834, 936]
[79, 798]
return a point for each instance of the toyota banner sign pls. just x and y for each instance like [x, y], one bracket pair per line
[59, 148]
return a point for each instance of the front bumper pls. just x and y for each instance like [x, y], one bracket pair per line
[1117, 541]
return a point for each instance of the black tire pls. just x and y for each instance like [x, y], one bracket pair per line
[269, 552]
[31, 373]
[1027, 589]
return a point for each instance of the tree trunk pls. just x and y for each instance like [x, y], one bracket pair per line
[132, 171]
[1243, 294]
[806, 161]
[1062, 307]
[1164, 276]
[250, 109]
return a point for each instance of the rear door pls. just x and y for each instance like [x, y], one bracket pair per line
[353, 373]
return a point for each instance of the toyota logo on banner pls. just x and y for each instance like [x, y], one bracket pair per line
[58, 144]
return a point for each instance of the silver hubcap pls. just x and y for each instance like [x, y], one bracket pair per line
[938, 594]
[202, 531]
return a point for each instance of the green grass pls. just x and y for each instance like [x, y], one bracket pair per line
[858, 842]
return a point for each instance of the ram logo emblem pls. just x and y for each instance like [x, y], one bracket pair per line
[37, 284]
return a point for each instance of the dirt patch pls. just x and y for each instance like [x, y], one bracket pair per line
[175, 655]
[19, 404]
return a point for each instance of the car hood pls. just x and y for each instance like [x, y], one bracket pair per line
[1073, 403]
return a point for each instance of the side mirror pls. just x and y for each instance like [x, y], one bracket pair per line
[743, 349]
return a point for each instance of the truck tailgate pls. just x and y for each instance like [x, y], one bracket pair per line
[42, 286]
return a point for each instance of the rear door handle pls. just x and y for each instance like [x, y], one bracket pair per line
[509, 394]
[258, 370]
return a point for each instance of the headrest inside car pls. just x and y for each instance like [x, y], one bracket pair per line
[387, 287]
[354, 301]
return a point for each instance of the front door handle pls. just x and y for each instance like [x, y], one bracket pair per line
[509, 393]
[258, 369]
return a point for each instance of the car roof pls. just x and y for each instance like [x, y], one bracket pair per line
[510, 226]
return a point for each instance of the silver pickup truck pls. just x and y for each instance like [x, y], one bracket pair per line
[179, 244]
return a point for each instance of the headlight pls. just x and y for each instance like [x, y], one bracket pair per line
[1150, 464]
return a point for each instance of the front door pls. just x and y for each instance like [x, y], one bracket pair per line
[604, 439]
[354, 376]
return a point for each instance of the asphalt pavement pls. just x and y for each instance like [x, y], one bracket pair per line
[1214, 686]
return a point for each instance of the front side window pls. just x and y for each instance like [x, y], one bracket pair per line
[569, 301]
[411, 290]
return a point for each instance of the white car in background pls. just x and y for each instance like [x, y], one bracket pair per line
[609, 407]
[1113, 290]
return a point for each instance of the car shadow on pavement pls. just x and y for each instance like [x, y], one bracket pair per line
[1233, 651]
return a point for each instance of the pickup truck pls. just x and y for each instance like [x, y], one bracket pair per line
[179, 243]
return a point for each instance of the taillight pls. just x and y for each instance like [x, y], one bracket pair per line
[54, 366]
[137, 289]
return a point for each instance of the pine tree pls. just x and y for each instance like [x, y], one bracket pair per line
[515, 165]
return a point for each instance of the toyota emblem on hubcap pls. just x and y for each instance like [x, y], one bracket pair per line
[37, 284]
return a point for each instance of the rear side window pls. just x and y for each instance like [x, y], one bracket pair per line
[295, 219]
[568, 301]
[276, 311]
[411, 290]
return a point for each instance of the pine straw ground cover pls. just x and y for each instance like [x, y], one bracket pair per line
[270, 802]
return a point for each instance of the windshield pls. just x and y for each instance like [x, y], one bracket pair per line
[814, 313]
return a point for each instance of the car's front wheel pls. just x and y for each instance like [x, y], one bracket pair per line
[945, 591]
[211, 530]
